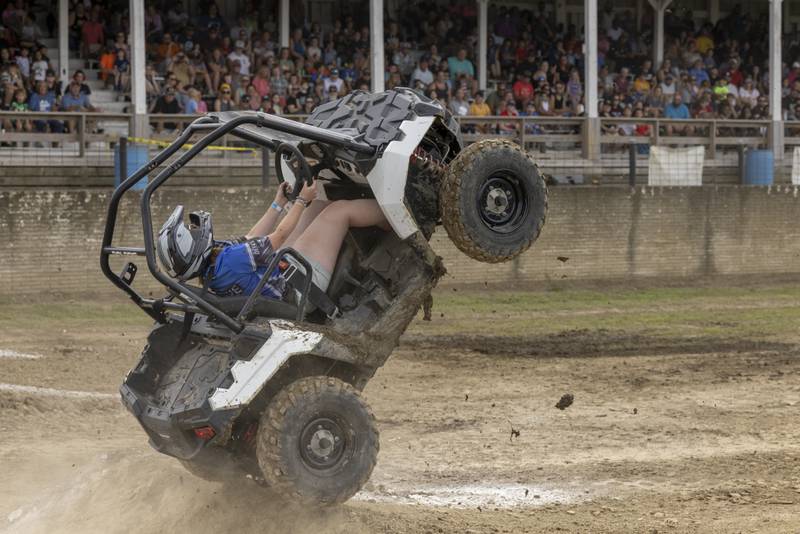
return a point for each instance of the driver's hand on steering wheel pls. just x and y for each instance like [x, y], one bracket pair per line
[309, 192]
[281, 197]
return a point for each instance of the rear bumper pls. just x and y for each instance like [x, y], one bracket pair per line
[172, 432]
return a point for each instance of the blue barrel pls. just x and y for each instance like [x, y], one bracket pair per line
[136, 156]
[759, 167]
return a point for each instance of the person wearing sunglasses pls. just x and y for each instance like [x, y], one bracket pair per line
[224, 101]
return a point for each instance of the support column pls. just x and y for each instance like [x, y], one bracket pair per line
[63, 43]
[483, 42]
[591, 133]
[660, 7]
[775, 75]
[140, 127]
[376, 44]
[283, 25]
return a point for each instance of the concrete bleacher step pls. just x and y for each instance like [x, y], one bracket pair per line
[112, 107]
[103, 95]
[75, 63]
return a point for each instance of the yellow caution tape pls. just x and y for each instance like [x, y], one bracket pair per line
[189, 145]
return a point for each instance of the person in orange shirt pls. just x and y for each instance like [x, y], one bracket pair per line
[167, 48]
[107, 71]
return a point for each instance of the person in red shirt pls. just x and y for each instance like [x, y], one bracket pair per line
[734, 74]
[523, 89]
[93, 36]
[510, 110]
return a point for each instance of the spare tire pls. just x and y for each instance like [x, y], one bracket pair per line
[493, 201]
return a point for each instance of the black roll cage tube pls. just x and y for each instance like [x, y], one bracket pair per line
[194, 302]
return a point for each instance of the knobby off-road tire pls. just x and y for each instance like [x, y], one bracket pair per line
[317, 441]
[493, 201]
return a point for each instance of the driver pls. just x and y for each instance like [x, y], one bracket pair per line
[314, 228]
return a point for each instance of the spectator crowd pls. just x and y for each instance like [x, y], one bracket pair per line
[205, 61]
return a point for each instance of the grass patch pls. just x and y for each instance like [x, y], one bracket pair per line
[760, 313]
[72, 314]
[752, 313]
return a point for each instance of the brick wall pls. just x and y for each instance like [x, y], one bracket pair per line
[50, 239]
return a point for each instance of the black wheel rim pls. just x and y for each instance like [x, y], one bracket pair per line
[502, 202]
[323, 442]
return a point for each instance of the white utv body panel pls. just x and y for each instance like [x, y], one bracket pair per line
[388, 177]
[250, 376]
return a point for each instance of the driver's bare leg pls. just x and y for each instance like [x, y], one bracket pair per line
[309, 214]
[323, 238]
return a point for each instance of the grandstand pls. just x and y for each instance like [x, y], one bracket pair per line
[590, 86]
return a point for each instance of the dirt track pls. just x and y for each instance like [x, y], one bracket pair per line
[667, 433]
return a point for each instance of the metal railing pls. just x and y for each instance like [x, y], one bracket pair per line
[76, 139]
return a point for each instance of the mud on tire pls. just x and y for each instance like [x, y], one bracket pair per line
[317, 441]
[493, 201]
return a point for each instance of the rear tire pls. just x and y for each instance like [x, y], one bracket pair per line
[317, 441]
[493, 201]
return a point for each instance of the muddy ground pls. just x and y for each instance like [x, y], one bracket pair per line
[685, 419]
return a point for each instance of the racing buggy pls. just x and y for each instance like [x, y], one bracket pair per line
[271, 388]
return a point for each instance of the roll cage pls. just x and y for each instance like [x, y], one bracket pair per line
[267, 131]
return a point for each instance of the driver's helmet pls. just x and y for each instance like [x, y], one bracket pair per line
[184, 251]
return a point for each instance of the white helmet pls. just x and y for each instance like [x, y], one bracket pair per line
[182, 250]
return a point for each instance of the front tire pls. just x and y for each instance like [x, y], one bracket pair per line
[317, 441]
[493, 201]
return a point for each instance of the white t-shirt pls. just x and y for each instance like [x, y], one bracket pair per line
[39, 69]
[313, 52]
[24, 64]
[749, 96]
[243, 60]
[330, 82]
[425, 76]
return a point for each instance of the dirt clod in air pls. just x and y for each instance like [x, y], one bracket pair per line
[514, 432]
[427, 308]
[565, 401]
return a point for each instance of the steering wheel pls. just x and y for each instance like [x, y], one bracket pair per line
[299, 166]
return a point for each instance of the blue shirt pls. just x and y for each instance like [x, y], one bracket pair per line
[240, 266]
[671, 111]
[458, 66]
[42, 102]
[68, 101]
[700, 75]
